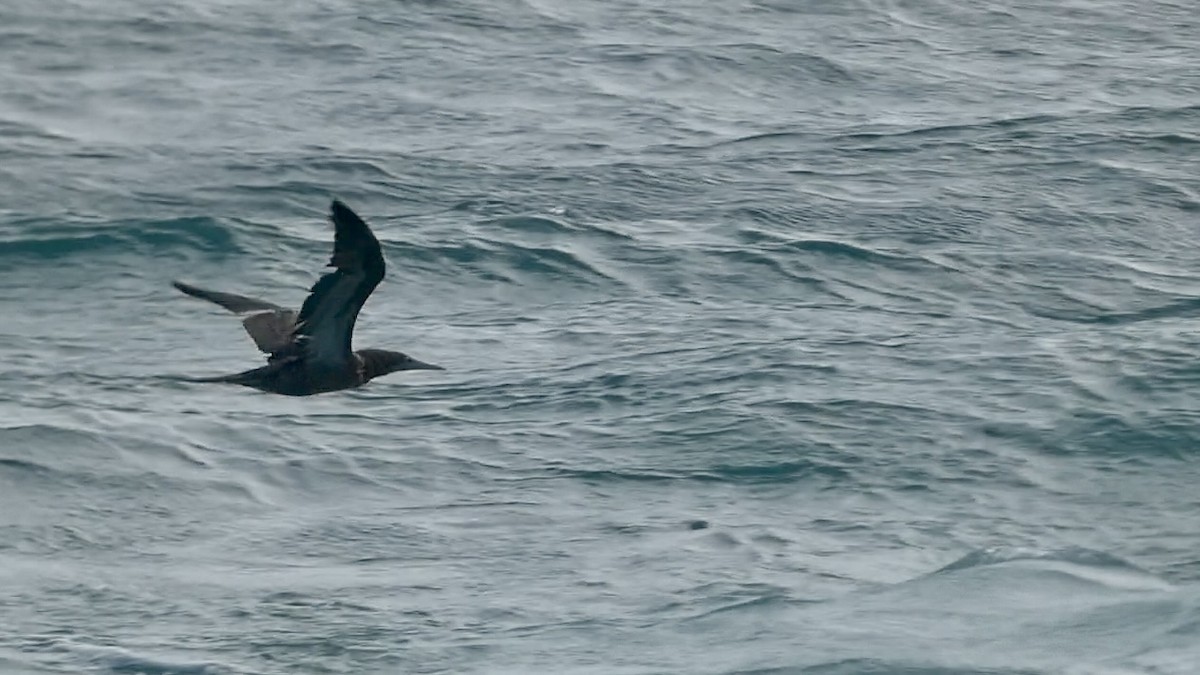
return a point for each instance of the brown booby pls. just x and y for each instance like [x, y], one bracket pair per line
[310, 352]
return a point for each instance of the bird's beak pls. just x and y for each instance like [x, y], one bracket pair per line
[421, 365]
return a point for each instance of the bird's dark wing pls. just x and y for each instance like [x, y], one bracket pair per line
[238, 304]
[326, 322]
[271, 331]
[269, 325]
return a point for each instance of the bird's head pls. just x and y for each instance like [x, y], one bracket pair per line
[378, 362]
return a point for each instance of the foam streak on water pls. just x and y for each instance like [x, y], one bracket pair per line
[799, 337]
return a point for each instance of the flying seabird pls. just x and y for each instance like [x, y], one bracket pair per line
[310, 352]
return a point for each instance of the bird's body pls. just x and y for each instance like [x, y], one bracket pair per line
[310, 352]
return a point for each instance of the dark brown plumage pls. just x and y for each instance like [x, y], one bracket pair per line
[310, 352]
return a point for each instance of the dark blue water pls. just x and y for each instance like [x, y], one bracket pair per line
[782, 337]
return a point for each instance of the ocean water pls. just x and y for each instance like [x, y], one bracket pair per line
[781, 337]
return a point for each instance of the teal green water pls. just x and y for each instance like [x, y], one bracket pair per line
[782, 337]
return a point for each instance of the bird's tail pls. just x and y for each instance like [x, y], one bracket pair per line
[228, 379]
[255, 377]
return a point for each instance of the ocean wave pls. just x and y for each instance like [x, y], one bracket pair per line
[762, 319]
[1000, 555]
[44, 239]
[503, 261]
[1081, 566]
[115, 659]
[889, 667]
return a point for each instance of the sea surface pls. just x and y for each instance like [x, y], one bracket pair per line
[781, 336]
